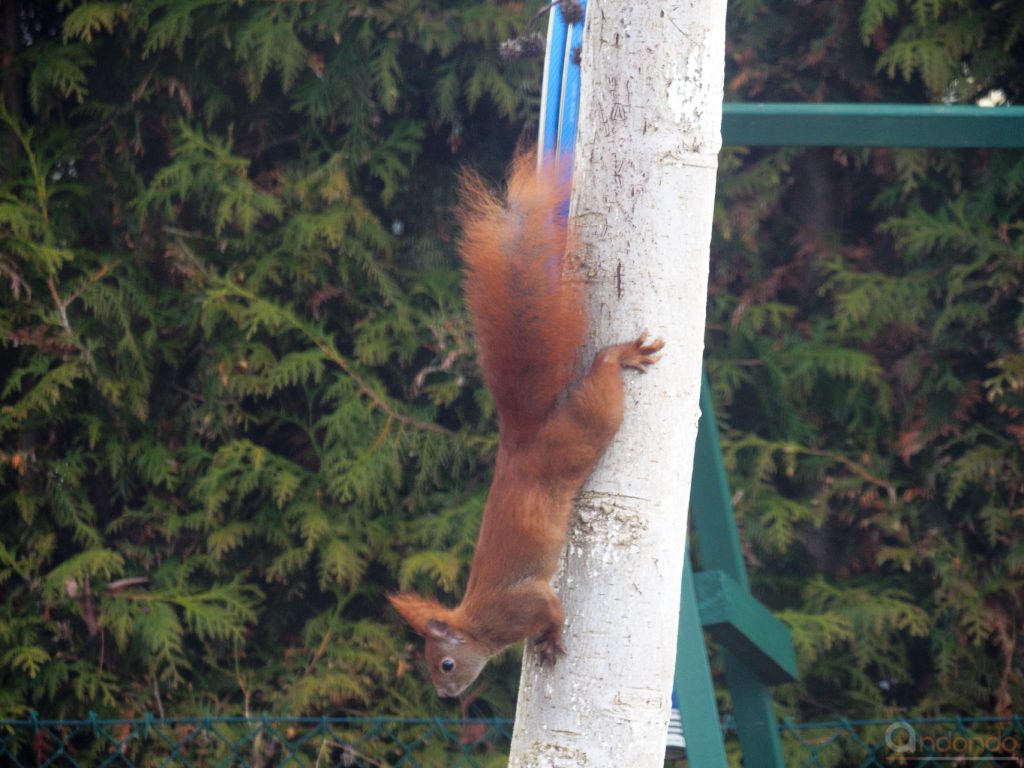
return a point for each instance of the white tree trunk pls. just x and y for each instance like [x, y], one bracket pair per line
[644, 184]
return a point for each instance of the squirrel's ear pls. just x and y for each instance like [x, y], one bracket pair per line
[441, 630]
[420, 612]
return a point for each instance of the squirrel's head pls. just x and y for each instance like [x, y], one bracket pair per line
[454, 658]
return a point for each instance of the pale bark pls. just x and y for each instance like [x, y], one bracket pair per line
[644, 182]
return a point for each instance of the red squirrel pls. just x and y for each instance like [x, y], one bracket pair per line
[528, 307]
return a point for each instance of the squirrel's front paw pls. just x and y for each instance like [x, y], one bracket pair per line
[639, 353]
[549, 648]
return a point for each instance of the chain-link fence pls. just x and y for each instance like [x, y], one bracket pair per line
[259, 742]
[262, 742]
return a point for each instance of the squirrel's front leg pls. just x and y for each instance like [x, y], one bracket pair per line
[598, 402]
[549, 641]
[586, 423]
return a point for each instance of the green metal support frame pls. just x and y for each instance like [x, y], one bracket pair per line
[694, 686]
[871, 125]
[756, 648]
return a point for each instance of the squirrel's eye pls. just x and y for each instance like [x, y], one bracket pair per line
[447, 665]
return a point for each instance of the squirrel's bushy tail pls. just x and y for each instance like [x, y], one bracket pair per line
[528, 305]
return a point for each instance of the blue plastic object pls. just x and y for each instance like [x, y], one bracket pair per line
[560, 92]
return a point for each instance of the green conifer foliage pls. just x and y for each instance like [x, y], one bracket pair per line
[865, 335]
[239, 399]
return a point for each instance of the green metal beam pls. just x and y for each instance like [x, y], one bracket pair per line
[871, 125]
[738, 621]
[754, 715]
[710, 499]
[695, 691]
[715, 524]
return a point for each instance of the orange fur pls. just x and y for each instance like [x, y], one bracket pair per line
[528, 308]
